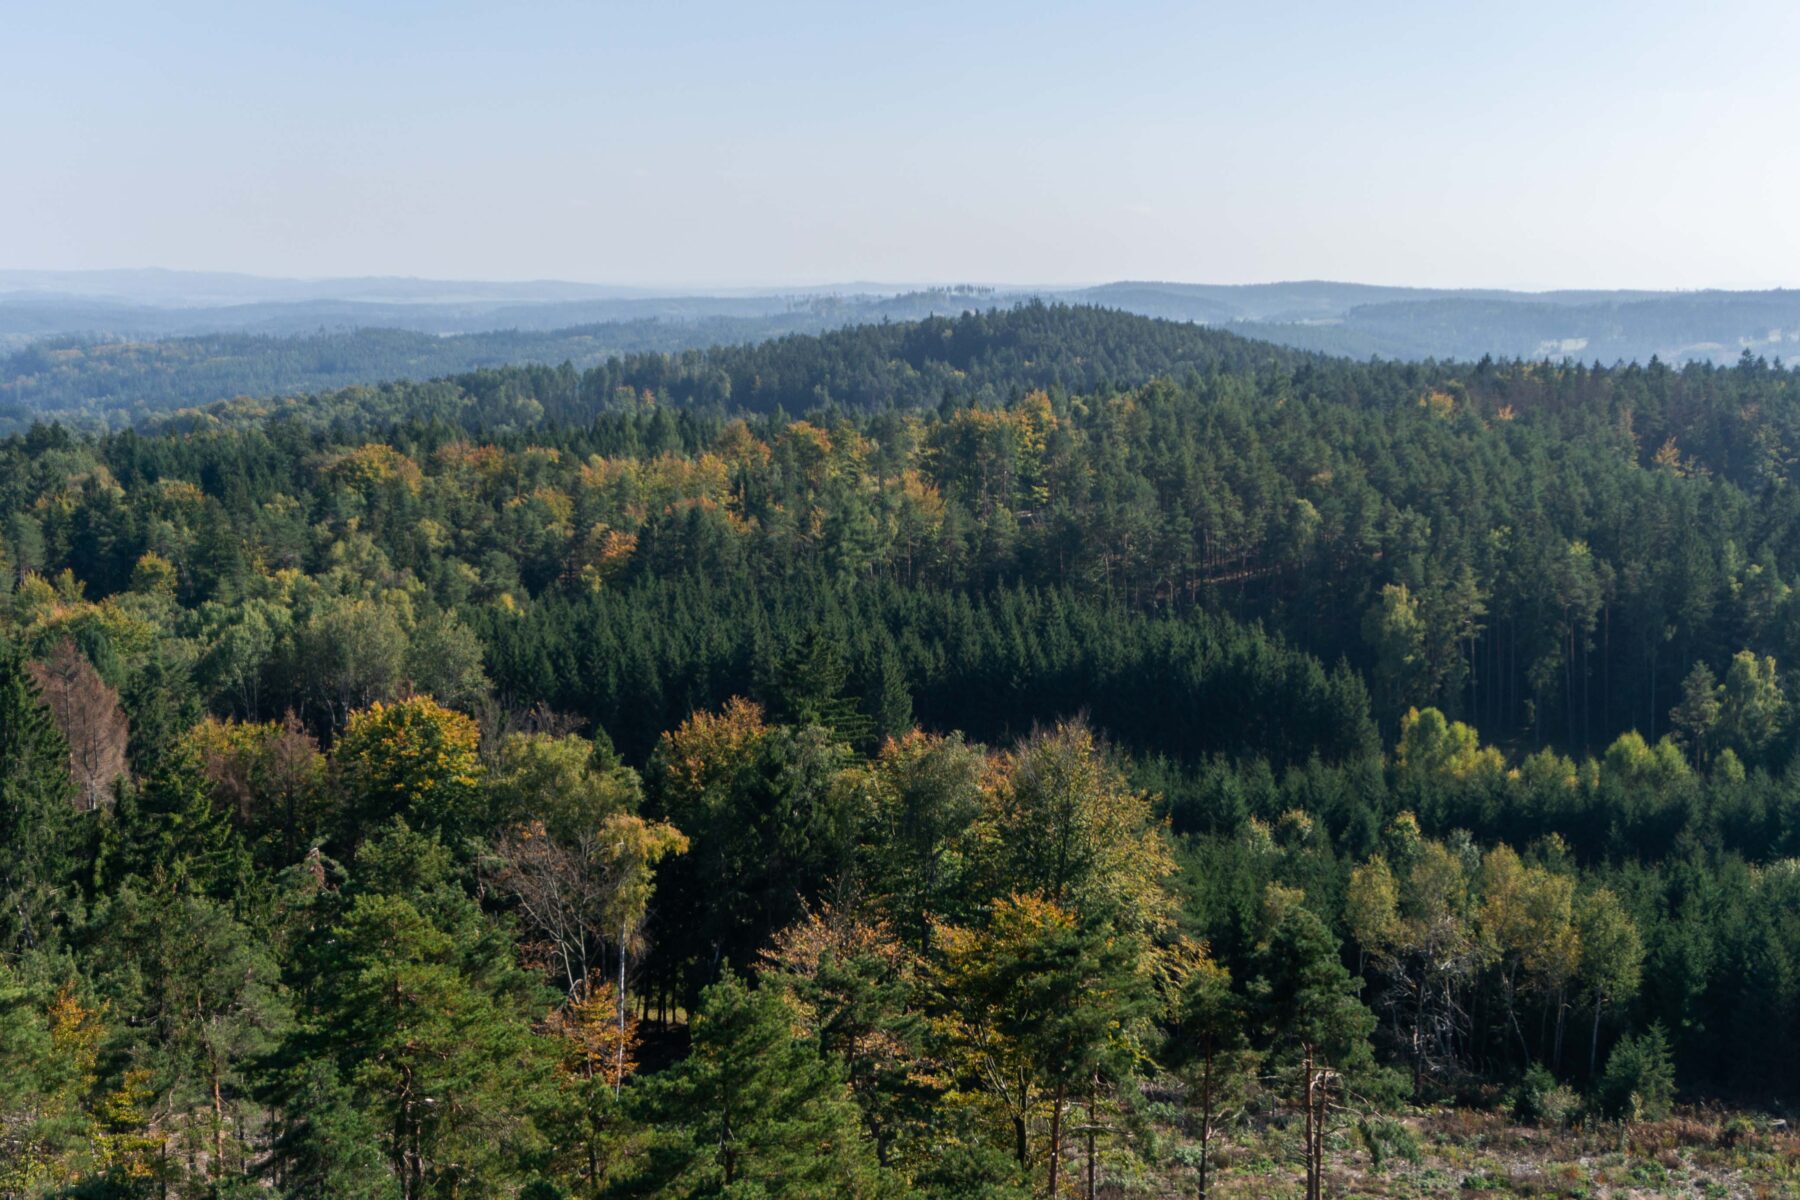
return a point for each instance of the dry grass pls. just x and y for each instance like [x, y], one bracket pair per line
[1475, 1155]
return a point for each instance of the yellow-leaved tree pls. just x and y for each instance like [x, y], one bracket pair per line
[413, 759]
[1064, 823]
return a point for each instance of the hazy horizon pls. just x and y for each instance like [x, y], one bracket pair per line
[826, 285]
[712, 146]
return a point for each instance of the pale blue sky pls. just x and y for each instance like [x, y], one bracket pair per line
[1505, 144]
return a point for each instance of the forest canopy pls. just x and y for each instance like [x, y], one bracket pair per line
[945, 758]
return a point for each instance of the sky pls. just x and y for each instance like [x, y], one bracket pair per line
[709, 144]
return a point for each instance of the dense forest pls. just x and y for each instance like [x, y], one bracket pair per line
[991, 756]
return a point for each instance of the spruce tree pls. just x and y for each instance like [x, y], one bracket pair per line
[37, 821]
[811, 687]
[889, 705]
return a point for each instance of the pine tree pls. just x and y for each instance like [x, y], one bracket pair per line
[1309, 1007]
[417, 999]
[1210, 1048]
[163, 702]
[200, 994]
[48, 1050]
[752, 1111]
[325, 1147]
[857, 990]
[1639, 1080]
[1039, 1006]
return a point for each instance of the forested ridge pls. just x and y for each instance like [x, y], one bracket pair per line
[980, 358]
[97, 382]
[102, 361]
[997, 756]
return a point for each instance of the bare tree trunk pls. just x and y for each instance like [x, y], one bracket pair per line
[218, 1163]
[1206, 1117]
[1093, 1126]
[1418, 1039]
[1512, 1013]
[1324, 1125]
[1090, 1158]
[1312, 1191]
[1322, 1101]
[619, 1065]
[1562, 1013]
[1056, 1137]
[1594, 1041]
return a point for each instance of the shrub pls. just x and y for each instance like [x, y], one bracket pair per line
[1738, 1131]
[1385, 1138]
[1541, 1100]
[1639, 1080]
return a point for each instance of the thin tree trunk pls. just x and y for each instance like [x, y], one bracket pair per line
[1206, 1117]
[1562, 1013]
[218, 1163]
[619, 1064]
[1056, 1137]
[1512, 1013]
[1321, 1098]
[1312, 1191]
[1419, 1039]
[1594, 1041]
[1090, 1158]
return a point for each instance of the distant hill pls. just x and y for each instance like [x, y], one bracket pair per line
[115, 382]
[1352, 319]
[1705, 326]
[124, 345]
[978, 358]
[1418, 323]
[30, 316]
[139, 305]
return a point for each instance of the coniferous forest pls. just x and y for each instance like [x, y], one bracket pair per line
[1047, 752]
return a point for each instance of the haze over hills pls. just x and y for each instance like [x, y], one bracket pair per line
[111, 347]
[160, 303]
[1359, 320]
[201, 289]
